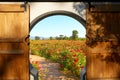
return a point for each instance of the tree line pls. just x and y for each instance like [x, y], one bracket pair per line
[74, 36]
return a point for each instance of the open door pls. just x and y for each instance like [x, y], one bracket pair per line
[14, 31]
[103, 41]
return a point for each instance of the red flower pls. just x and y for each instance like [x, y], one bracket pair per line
[74, 63]
[81, 66]
[61, 66]
[78, 50]
[71, 50]
[76, 60]
[37, 62]
[74, 54]
[39, 66]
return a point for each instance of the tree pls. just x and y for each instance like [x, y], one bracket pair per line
[74, 34]
[37, 38]
[51, 38]
[61, 37]
[65, 38]
[57, 38]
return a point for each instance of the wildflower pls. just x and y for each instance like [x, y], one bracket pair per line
[74, 54]
[81, 66]
[39, 66]
[78, 50]
[76, 60]
[61, 66]
[74, 63]
[71, 50]
[33, 62]
[36, 62]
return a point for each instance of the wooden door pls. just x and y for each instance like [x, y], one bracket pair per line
[103, 41]
[14, 31]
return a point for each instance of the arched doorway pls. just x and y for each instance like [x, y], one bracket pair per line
[54, 13]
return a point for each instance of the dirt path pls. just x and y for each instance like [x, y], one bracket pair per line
[49, 70]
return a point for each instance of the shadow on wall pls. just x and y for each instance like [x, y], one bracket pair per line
[103, 28]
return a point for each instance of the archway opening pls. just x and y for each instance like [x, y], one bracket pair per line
[61, 39]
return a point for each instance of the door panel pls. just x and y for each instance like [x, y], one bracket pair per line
[14, 31]
[103, 41]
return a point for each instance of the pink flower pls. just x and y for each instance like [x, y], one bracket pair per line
[39, 66]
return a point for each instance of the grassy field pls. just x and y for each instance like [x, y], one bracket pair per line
[69, 53]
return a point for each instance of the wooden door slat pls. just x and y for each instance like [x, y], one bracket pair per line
[11, 40]
[11, 8]
[11, 51]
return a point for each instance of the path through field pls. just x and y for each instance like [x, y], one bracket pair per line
[50, 70]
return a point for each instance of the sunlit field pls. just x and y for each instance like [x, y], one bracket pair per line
[71, 54]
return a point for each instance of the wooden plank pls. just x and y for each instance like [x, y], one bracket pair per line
[96, 68]
[12, 40]
[11, 8]
[103, 66]
[105, 8]
[12, 48]
[11, 52]
[14, 67]
[11, 27]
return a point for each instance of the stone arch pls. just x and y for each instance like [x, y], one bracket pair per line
[60, 12]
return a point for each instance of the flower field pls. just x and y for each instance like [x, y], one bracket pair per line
[69, 53]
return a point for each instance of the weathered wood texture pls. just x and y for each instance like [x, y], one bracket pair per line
[14, 28]
[13, 8]
[103, 41]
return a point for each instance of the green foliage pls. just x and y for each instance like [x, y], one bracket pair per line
[72, 62]
[74, 34]
[35, 66]
[61, 37]
[70, 54]
[35, 52]
[37, 38]
[82, 39]
[51, 38]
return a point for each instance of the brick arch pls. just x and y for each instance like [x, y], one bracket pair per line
[73, 15]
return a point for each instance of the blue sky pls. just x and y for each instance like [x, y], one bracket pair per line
[57, 25]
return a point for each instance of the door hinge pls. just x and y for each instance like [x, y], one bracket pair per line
[90, 5]
[24, 5]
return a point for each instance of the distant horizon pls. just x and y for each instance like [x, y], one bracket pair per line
[33, 37]
[58, 25]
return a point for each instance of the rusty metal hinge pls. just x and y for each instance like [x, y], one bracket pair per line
[24, 5]
[90, 6]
